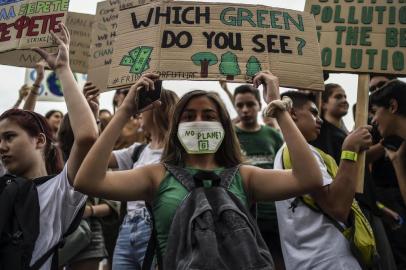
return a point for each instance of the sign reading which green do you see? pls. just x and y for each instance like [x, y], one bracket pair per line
[213, 41]
[360, 36]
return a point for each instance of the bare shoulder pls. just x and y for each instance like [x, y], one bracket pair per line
[156, 173]
[246, 171]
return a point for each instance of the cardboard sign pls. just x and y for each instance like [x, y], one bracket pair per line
[80, 29]
[27, 23]
[50, 88]
[213, 41]
[361, 37]
[103, 35]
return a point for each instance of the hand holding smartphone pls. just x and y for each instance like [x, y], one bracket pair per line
[146, 98]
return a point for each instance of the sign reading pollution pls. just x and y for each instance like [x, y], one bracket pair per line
[103, 35]
[361, 36]
[213, 41]
[27, 23]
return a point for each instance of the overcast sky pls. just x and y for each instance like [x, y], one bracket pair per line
[13, 77]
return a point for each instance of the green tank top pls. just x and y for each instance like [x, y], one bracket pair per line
[171, 193]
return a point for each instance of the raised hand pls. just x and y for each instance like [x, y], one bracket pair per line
[270, 85]
[40, 69]
[59, 59]
[358, 140]
[92, 94]
[130, 103]
[24, 91]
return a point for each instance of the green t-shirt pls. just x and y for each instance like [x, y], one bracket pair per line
[260, 148]
[171, 193]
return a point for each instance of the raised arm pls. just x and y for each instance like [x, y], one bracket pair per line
[305, 174]
[31, 100]
[81, 118]
[22, 93]
[93, 177]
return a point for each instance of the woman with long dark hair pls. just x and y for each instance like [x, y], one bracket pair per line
[28, 150]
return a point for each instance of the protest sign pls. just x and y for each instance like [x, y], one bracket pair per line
[50, 88]
[103, 35]
[361, 36]
[213, 41]
[80, 29]
[27, 23]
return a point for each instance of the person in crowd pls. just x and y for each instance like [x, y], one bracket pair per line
[28, 150]
[306, 234]
[333, 132]
[197, 110]
[54, 119]
[22, 94]
[259, 144]
[104, 118]
[131, 131]
[31, 99]
[389, 117]
[136, 228]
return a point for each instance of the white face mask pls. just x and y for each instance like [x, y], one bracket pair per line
[201, 137]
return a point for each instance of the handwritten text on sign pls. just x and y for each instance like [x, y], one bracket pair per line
[204, 41]
[361, 36]
[27, 23]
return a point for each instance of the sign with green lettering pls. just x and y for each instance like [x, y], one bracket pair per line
[361, 36]
[213, 41]
[27, 23]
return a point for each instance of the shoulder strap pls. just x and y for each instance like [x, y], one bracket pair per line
[182, 176]
[152, 245]
[227, 176]
[41, 180]
[137, 152]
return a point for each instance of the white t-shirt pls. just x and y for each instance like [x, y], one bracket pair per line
[308, 239]
[125, 162]
[59, 203]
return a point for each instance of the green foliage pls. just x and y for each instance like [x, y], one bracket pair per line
[253, 66]
[200, 57]
[229, 64]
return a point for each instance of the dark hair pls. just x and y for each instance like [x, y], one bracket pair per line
[394, 89]
[247, 88]
[52, 112]
[328, 91]
[229, 153]
[104, 111]
[162, 115]
[389, 77]
[299, 98]
[65, 137]
[35, 124]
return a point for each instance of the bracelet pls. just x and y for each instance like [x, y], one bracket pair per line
[349, 155]
[380, 205]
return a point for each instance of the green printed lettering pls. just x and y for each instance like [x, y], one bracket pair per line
[380, 10]
[337, 15]
[391, 37]
[384, 60]
[274, 19]
[351, 15]
[230, 20]
[261, 18]
[340, 31]
[356, 58]
[371, 53]
[248, 17]
[367, 15]
[339, 58]
[352, 36]
[315, 10]
[364, 36]
[402, 37]
[402, 15]
[392, 15]
[327, 14]
[298, 24]
[398, 61]
[326, 55]
[23, 10]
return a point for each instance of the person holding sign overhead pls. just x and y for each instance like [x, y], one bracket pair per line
[201, 112]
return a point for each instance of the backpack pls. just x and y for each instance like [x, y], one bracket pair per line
[211, 228]
[19, 223]
[359, 234]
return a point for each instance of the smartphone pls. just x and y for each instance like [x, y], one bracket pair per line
[392, 142]
[147, 97]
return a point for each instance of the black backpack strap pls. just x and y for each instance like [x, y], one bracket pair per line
[227, 176]
[137, 152]
[182, 176]
[54, 250]
[41, 180]
[152, 247]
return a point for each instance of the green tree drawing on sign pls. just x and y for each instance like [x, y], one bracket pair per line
[229, 65]
[253, 66]
[204, 60]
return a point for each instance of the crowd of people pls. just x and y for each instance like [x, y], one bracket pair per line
[178, 184]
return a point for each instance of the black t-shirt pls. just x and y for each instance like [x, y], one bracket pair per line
[330, 140]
